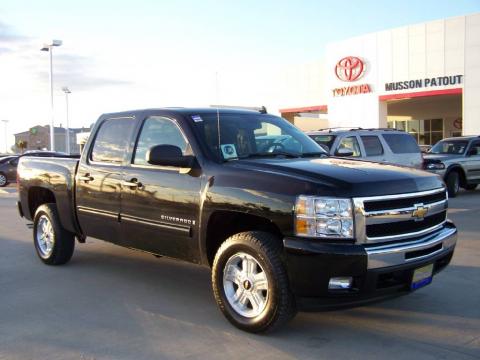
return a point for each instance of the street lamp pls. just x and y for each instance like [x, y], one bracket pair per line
[49, 47]
[67, 91]
[6, 146]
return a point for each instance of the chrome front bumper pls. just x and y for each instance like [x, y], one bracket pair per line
[386, 255]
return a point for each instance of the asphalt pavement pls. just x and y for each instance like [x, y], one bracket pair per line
[115, 303]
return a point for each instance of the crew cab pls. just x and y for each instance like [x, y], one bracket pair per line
[283, 225]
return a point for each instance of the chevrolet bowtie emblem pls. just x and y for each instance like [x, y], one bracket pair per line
[419, 212]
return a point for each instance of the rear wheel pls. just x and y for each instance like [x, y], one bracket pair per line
[250, 283]
[453, 183]
[471, 187]
[3, 180]
[54, 245]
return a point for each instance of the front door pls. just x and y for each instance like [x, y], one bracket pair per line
[472, 162]
[99, 178]
[160, 205]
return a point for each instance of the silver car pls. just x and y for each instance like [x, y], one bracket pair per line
[457, 160]
[380, 145]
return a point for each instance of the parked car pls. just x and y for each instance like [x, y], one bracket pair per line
[381, 145]
[283, 229]
[8, 169]
[457, 160]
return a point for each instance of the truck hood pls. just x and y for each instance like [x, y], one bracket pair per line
[347, 177]
[440, 157]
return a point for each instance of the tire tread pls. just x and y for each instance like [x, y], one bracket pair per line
[269, 245]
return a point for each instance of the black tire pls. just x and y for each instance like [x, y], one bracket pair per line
[470, 187]
[265, 248]
[63, 241]
[453, 183]
[3, 180]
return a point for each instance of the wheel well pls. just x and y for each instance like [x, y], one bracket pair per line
[38, 196]
[463, 179]
[223, 224]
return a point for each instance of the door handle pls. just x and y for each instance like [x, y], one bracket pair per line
[86, 178]
[132, 184]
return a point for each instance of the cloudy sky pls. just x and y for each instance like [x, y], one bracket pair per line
[119, 55]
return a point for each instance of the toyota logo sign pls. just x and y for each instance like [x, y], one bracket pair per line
[349, 68]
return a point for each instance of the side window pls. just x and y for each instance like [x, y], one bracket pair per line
[350, 143]
[112, 140]
[401, 143]
[373, 146]
[475, 145]
[158, 130]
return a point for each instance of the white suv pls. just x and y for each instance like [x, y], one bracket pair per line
[381, 145]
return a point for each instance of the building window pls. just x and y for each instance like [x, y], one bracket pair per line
[426, 132]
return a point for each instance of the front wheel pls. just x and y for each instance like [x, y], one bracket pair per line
[453, 183]
[54, 244]
[250, 283]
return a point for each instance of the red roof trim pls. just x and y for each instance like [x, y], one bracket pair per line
[420, 94]
[307, 108]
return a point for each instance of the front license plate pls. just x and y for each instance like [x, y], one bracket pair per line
[422, 276]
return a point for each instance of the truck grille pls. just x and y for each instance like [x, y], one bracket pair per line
[398, 217]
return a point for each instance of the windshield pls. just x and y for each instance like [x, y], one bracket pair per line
[454, 147]
[250, 135]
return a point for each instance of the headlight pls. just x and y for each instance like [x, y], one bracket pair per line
[435, 166]
[323, 217]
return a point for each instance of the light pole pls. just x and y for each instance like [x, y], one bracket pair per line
[67, 91]
[49, 47]
[6, 146]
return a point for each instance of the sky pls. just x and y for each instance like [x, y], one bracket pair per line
[120, 55]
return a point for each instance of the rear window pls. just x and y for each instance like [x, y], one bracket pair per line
[401, 143]
[112, 140]
[373, 146]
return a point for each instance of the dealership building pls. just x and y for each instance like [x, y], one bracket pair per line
[423, 78]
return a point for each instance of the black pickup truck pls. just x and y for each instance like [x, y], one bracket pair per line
[283, 225]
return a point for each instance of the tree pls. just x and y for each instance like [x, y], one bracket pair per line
[22, 145]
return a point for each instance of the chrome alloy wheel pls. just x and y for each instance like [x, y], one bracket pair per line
[246, 285]
[3, 180]
[45, 236]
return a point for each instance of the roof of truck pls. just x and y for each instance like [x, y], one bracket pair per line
[186, 111]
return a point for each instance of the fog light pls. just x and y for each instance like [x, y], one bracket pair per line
[340, 283]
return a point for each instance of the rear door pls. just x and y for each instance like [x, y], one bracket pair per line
[403, 148]
[160, 204]
[12, 169]
[373, 148]
[99, 177]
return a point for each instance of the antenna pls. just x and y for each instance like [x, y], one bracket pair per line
[218, 115]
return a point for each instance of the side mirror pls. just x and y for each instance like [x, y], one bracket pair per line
[344, 152]
[169, 155]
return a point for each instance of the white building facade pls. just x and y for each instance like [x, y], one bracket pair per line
[424, 79]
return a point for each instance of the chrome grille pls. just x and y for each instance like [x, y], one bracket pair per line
[398, 217]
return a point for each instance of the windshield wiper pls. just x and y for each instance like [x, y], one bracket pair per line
[271, 154]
